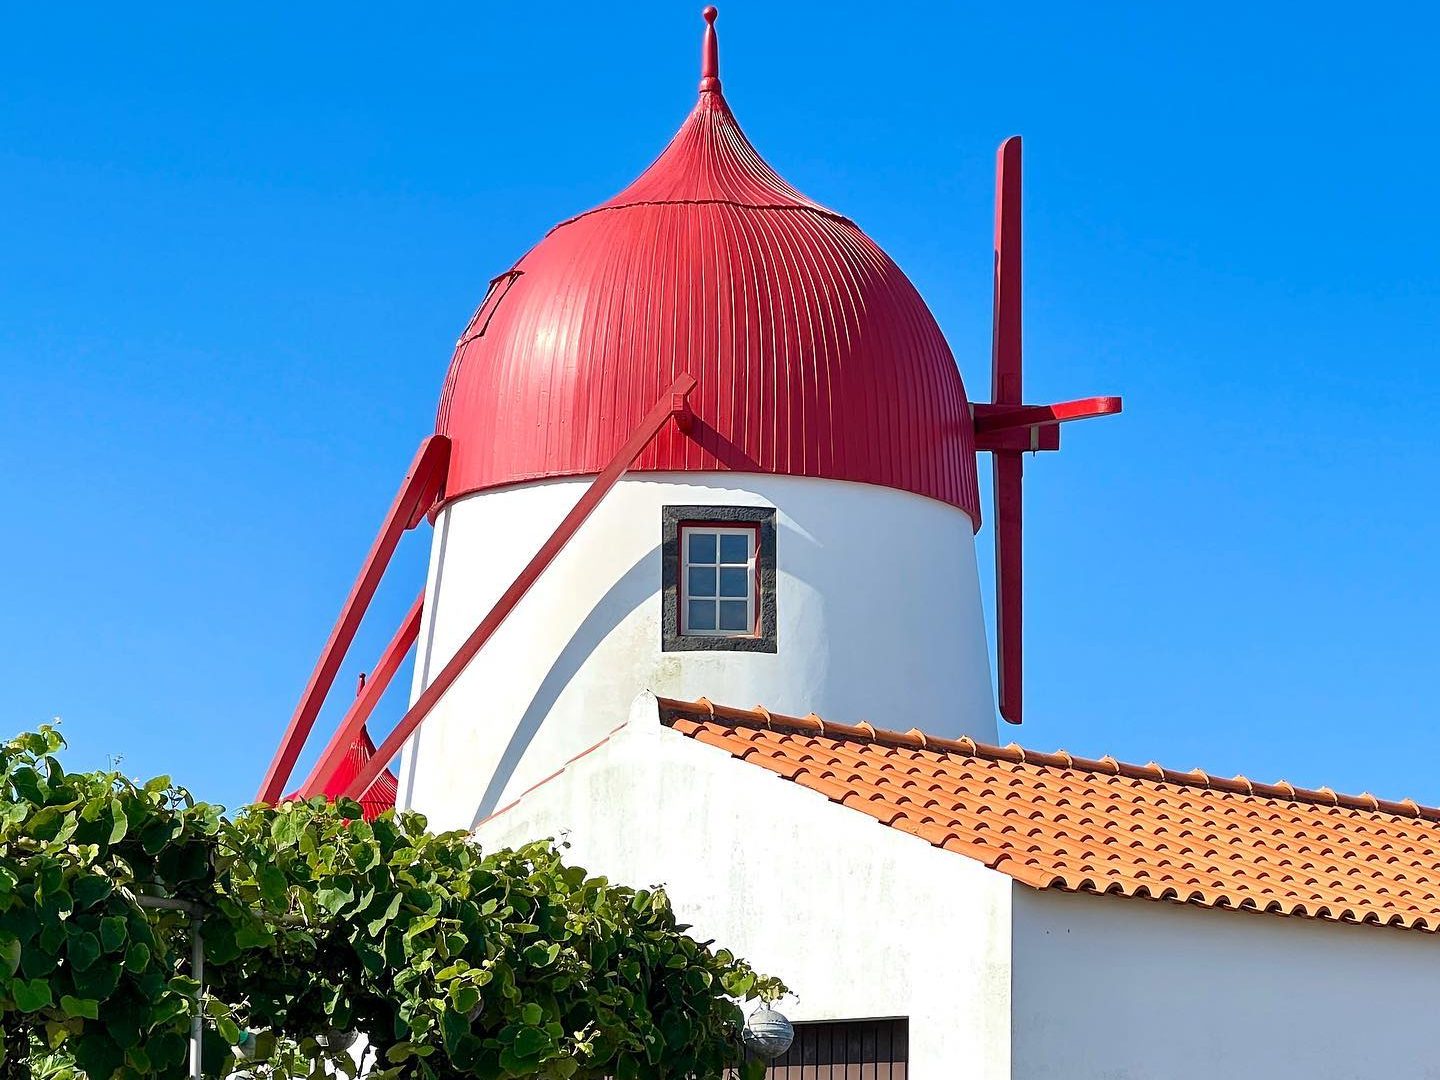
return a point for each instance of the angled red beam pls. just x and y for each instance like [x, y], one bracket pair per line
[674, 404]
[1008, 465]
[364, 704]
[421, 486]
[995, 418]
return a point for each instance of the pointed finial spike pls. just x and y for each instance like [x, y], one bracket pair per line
[710, 53]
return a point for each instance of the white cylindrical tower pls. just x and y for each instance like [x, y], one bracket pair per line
[805, 543]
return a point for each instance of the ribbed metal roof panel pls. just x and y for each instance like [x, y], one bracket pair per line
[813, 353]
[381, 794]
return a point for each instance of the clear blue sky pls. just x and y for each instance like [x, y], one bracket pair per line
[238, 242]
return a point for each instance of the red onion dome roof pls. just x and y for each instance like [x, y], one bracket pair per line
[813, 353]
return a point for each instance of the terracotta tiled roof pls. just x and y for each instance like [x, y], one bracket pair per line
[1054, 821]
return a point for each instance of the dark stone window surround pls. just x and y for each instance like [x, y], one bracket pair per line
[671, 518]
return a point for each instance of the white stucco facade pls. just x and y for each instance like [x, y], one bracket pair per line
[1116, 989]
[878, 617]
[861, 921]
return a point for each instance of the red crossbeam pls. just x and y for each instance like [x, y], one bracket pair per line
[672, 404]
[333, 756]
[992, 419]
[1026, 440]
[418, 492]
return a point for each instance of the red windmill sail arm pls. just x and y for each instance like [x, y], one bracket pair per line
[421, 486]
[1005, 343]
[672, 404]
[1009, 429]
[351, 727]
[1005, 388]
[1009, 467]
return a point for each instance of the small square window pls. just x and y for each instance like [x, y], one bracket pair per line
[719, 587]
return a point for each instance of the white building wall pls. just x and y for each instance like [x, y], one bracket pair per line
[860, 920]
[1125, 989]
[878, 617]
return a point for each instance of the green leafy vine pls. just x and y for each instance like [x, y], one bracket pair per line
[448, 961]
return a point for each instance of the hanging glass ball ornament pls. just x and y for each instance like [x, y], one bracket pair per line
[768, 1034]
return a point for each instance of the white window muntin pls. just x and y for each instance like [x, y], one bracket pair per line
[718, 580]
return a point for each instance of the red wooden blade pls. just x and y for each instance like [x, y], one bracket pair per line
[1005, 388]
[1005, 348]
[1009, 576]
[352, 726]
[418, 491]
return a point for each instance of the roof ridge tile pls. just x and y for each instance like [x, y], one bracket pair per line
[1014, 753]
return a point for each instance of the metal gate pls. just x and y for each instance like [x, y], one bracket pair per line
[846, 1050]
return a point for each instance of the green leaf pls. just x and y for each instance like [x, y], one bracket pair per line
[98, 982]
[112, 932]
[285, 829]
[401, 1051]
[82, 949]
[542, 954]
[333, 898]
[31, 995]
[464, 998]
[366, 856]
[22, 922]
[45, 824]
[155, 836]
[120, 824]
[137, 957]
[98, 1055]
[82, 1007]
[738, 983]
[391, 910]
[676, 1030]
[9, 953]
[370, 958]
[229, 1030]
[272, 884]
[532, 1042]
[172, 1006]
[27, 785]
[90, 889]
[252, 935]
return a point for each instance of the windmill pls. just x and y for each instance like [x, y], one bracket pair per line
[1006, 427]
